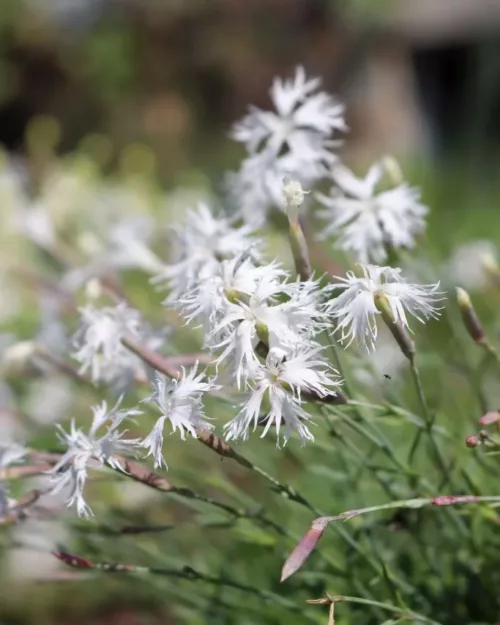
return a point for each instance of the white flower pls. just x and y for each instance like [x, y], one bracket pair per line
[123, 243]
[180, 402]
[258, 184]
[71, 470]
[355, 309]
[66, 191]
[295, 140]
[98, 339]
[277, 388]
[303, 308]
[302, 123]
[13, 178]
[260, 316]
[204, 240]
[35, 223]
[9, 454]
[366, 221]
[237, 279]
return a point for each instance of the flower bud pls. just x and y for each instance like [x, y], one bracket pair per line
[492, 416]
[235, 297]
[491, 267]
[304, 547]
[93, 289]
[472, 441]
[262, 332]
[293, 193]
[469, 317]
[89, 243]
[19, 358]
[393, 169]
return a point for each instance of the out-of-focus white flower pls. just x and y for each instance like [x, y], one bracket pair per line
[98, 339]
[355, 310]
[127, 246]
[366, 221]
[124, 244]
[121, 216]
[49, 398]
[180, 402]
[302, 123]
[9, 454]
[203, 242]
[277, 388]
[12, 186]
[98, 345]
[294, 140]
[469, 262]
[67, 191]
[71, 470]
[257, 185]
[19, 357]
[35, 223]
[9, 306]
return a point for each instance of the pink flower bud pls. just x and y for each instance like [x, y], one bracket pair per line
[490, 417]
[470, 317]
[472, 441]
[304, 547]
[70, 559]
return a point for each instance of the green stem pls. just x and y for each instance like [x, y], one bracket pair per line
[429, 424]
[409, 614]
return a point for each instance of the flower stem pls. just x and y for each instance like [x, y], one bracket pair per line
[299, 249]
[406, 613]
[429, 424]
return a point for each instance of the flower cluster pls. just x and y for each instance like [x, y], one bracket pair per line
[264, 326]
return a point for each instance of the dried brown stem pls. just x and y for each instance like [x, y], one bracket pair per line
[221, 447]
[142, 474]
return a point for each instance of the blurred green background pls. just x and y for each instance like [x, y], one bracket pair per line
[152, 87]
